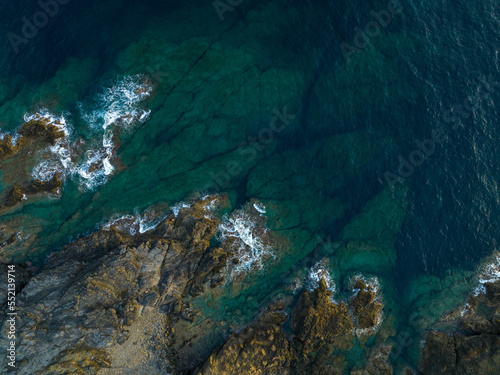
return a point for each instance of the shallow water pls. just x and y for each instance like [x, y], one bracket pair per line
[215, 120]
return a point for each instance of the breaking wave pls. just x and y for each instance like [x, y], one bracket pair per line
[117, 106]
[488, 273]
[249, 248]
[319, 271]
[57, 158]
[137, 223]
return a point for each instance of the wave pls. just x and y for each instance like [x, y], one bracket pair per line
[260, 207]
[178, 207]
[117, 106]
[57, 157]
[249, 248]
[488, 273]
[137, 223]
[317, 272]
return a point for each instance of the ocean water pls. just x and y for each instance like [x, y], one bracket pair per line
[269, 103]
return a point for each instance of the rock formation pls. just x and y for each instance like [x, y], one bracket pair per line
[21, 192]
[262, 349]
[475, 347]
[112, 302]
[81, 306]
[319, 327]
[36, 129]
[365, 308]
[317, 321]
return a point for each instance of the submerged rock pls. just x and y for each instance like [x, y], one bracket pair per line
[475, 348]
[21, 192]
[377, 363]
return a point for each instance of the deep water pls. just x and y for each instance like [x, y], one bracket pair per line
[322, 175]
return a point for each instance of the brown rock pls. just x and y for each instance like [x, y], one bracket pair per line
[478, 355]
[41, 129]
[364, 306]
[261, 350]
[439, 355]
[478, 352]
[359, 284]
[369, 316]
[361, 300]
[81, 304]
[492, 293]
[19, 191]
[317, 321]
[378, 362]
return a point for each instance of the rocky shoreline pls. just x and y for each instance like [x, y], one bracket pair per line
[116, 303]
[474, 348]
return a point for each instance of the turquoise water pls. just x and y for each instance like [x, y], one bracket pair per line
[266, 105]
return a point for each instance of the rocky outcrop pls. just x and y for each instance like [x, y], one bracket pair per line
[21, 192]
[114, 301]
[439, 354]
[35, 129]
[16, 158]
[42, 128]
[475, 347]
[319, 328]
[317, 321]
[81, 306]
[262, 349]
[364, 306]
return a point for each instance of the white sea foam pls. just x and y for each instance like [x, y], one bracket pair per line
[59, 161]
[371, 281]
[210, 206]
[249, 248]
[319, 271]
[178, 207]
[147, 220]
[117, 106]
[489, 273]
[14, 138]
[137, 223]
[124, 223]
